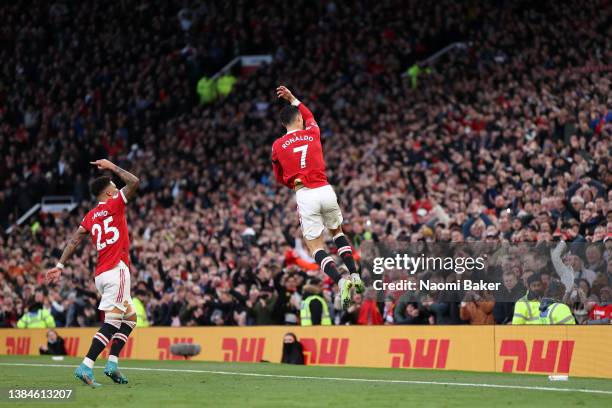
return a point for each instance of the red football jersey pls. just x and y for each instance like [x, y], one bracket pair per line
[109, 232]
[299, 155]
[601, 312]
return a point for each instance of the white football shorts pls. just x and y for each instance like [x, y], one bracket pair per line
[114, 287]
[318, 209]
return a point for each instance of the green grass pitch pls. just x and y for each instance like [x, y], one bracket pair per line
[196, 384]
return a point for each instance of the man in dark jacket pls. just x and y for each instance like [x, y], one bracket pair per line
[413, 314]
[510, 292]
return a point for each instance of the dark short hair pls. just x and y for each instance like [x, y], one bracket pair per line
[140, 292]
[314, 281]
[536, 277]
[98, 185]
[288, 114]
[555, 290]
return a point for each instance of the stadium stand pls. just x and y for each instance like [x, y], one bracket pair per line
[506, 141]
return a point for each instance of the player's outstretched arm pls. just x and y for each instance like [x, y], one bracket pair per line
[130, 180]
[54, 274]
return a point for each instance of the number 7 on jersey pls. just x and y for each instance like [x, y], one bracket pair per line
[303, 150]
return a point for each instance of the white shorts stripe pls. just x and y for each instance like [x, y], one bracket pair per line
[114, 288]
[121, 285]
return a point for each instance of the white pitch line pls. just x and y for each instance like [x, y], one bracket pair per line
[304, 377]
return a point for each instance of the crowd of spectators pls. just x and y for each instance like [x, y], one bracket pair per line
[506, 141]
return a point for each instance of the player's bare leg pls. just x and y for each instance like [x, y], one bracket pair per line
[118, 342]
[112, 322]
[317, 249]
[346, 253]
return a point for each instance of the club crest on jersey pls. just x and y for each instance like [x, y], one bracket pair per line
[304, 138]
[100, 214]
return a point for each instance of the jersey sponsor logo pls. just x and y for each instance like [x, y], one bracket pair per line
[328, 350]
[303, 138]
[97, 214]
[430, 353]
[556, 357]
[249, 350]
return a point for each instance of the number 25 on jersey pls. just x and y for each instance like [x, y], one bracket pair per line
[102, 236]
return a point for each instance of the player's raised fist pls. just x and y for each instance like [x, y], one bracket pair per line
[53, 275]
[103, 164]
[284, 93]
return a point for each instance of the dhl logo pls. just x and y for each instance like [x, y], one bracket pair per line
[17, 345]
[540, 361]
[249, 350]
[164, 343]
[430, 353]
[72, 345]
[327, 351]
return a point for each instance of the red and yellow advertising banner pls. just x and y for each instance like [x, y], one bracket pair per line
[575, 350]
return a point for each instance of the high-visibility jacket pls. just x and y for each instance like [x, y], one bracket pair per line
[225, 84]
[414, 72]
[306, 318]
[141, 313]
[526, 311]
[207, 90]
[40, 319]
[557, 313]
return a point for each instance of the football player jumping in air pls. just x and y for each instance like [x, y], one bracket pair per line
[297, 160]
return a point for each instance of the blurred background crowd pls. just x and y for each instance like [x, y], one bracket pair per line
[507, 140]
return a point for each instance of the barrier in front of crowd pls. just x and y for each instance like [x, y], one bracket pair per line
[581, 351]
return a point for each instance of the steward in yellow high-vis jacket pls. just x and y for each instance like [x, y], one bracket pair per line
[314, 310]
[552, 310]
[36, 317]
[527, 308]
